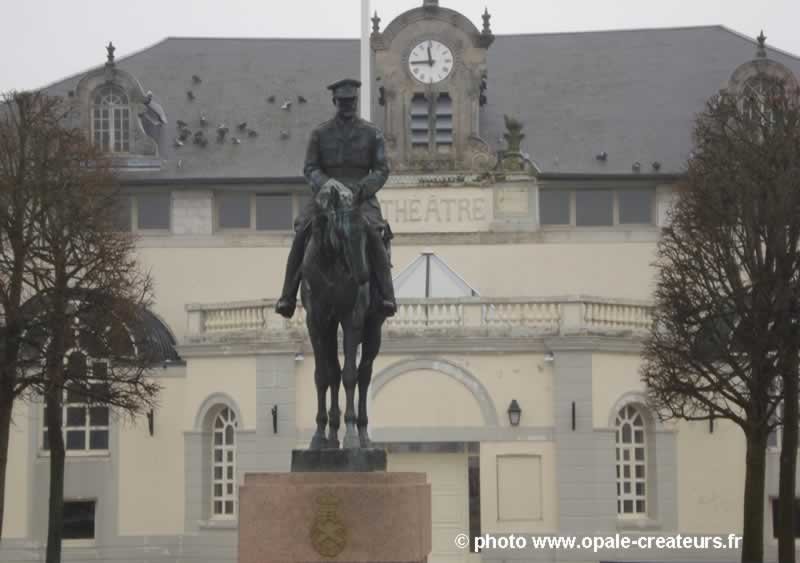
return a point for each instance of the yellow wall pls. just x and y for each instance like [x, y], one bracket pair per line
[234, 376]
[15, 518]
[613, 375]
[151, 468]
[710, 466]
[425, 398]
[710, 478]
[490, 518]
[546, 269]
[212, 275]
[525, 377]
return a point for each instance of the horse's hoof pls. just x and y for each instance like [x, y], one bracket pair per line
[318, 443]
[351, 443]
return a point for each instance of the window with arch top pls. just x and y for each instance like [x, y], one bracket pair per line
[223, 482]
[631, 456]
[111, 120]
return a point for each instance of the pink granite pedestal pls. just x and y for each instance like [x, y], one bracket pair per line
[372, 517]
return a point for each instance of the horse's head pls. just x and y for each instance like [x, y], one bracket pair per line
[339, 231]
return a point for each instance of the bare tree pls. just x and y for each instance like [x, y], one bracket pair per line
[724, 342]
[26, 120]
[88, 296]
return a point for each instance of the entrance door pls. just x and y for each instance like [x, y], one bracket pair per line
[447, 474]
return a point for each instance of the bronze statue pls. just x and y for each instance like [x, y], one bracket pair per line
[345, 268]
[346, 154]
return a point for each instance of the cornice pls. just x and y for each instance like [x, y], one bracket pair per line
[259, 344]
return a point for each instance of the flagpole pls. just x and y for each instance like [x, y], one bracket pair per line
[366, 82]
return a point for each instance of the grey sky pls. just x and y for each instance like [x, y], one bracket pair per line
[46, 40]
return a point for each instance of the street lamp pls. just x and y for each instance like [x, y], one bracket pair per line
[514, 413]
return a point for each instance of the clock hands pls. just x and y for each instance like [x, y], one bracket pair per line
[438, 69]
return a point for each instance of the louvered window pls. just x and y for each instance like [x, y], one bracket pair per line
[420, 121]
[444, 122]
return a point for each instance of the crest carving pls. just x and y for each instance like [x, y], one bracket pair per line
[328, 532]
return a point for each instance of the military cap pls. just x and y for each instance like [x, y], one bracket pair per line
[347, 88]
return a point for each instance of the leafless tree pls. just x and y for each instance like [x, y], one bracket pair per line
[725, 343]
[25, 121]
[84, 317]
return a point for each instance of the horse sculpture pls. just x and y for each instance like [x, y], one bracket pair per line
[337, 291]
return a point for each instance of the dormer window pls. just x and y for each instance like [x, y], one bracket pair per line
[755, 101]
[111, 120]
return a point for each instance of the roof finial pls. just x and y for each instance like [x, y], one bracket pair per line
[487, 30]
[430, 3]
[761, 53]
[376, 23]
[110, 49]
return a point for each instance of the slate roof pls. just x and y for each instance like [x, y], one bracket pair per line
[632, 94]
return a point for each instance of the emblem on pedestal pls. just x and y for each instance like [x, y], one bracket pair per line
[328, 533]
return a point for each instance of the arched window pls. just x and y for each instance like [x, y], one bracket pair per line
[761, 100]
[631, 456]
[85, 418]
[223, 460]
[111, 120]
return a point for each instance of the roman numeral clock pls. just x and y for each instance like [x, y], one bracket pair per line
[430, 73]
[430, 61]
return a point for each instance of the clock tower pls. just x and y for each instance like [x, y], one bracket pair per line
[430, 73]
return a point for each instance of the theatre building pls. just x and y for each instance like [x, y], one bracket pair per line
[530, 177]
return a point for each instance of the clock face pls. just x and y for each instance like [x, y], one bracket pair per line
[430, 61]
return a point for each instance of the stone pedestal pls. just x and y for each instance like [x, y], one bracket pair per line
[337, 461]
[346, 516]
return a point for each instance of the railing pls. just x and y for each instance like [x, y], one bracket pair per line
[612, 315]
[559, 315]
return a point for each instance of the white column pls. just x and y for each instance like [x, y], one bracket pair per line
[366, 80]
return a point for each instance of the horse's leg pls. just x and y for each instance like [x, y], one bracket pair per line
[352, 337]
[321, 381]
[369, 351]
[335, 380]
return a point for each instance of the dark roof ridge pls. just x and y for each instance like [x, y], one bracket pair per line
[499, 35]
[578, 32]
[174, 38]
[92, 68]
[227, 38]
[755, 42]
[610, 30]
[640, 29]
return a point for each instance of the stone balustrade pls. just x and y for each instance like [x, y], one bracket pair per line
[552, 315]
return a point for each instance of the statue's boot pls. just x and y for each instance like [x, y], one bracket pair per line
[291, 282]
[383, 273]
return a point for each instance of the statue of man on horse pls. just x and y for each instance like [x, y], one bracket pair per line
[339, 254]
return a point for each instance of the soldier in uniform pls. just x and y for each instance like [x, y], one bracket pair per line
[346, 154]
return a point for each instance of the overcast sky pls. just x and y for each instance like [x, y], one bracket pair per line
[43, 41]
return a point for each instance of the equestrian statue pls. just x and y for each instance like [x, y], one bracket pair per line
[340, 261]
